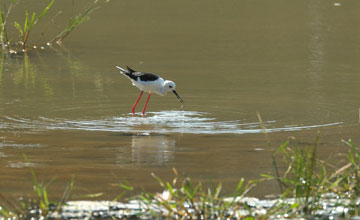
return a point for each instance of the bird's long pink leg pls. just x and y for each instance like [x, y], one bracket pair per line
[137, 101]
[147, 100]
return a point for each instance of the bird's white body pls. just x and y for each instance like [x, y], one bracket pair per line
[148, 82]
[156, 86]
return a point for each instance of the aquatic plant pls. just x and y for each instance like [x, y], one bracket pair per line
[31, 19]
[300, 180]
[192, 201]
[77, 20]
[309, 180]
[3, 23]
[29, 23]
[37, 207]
[350, 179]
[308, 185]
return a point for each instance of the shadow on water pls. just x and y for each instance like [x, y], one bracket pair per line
[163, 122]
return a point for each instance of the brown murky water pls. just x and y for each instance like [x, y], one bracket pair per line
[67, 108]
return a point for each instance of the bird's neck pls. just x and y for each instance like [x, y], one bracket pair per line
[163, 89]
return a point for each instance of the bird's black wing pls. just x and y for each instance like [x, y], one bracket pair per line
[130, 70]
[146, 76]
[135, 75]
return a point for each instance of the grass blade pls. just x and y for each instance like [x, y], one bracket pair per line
[26, 23]
[66, 193]
[44, 11]
[76, 21]
[32, 20]
[2, 29]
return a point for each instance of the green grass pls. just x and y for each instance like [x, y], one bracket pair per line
[4, 14]
[183, 199]
[35, 207]
[3, 36]
[29, 23]
[77, 20]
[308, 180]
[26, 27]
[301, 175]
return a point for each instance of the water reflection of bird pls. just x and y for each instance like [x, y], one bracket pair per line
[152, 150]
[148, 82]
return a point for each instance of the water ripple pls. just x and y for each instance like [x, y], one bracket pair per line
[155, 122]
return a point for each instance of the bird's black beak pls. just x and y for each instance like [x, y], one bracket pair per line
[177, 95]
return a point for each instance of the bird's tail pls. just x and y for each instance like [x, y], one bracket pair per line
[122, 70]
[125, 72]
[128, 73]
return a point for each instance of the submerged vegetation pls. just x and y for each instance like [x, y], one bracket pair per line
[310, 188]
[31, 19]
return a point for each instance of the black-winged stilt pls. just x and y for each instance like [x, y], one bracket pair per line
[148, 82]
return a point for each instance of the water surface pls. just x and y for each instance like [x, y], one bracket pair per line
[68, 108]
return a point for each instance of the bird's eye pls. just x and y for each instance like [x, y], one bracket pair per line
[170, 87]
